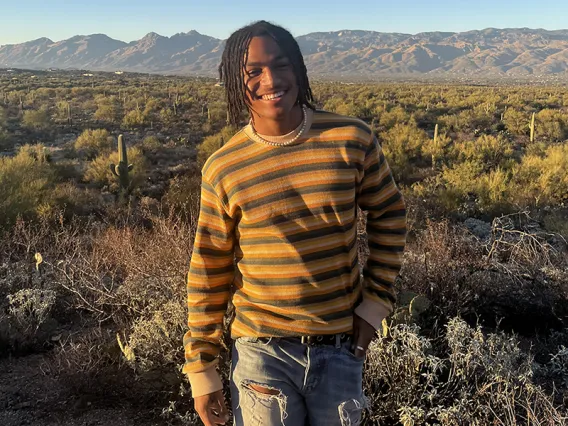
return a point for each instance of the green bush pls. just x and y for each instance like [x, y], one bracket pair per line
[133, 119]
[151, 143]
[108, 108]
[542, 181]
[36, 119]
[212, 143]
[94, 142]
[25, 181]
[492, 151]
[402, 145]
[517, 122]
[551, 125]
[98, 171]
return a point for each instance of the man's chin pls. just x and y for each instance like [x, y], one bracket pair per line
[275, 112]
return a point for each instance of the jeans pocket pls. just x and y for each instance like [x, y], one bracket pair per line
[346, 349]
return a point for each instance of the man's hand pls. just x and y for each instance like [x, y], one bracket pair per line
[212, 408]
[363, 333]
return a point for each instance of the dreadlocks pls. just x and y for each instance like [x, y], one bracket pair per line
[233, 61]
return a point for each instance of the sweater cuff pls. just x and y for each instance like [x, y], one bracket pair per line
[372, 312]
[205, 382]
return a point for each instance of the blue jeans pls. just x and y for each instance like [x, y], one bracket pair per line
[311, 385]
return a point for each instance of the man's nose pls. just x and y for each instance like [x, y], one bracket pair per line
[269, 77]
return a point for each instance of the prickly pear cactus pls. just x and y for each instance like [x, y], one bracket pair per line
[410, 307]
[418, 306]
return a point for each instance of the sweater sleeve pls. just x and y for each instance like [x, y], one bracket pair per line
[209, 281]
[380, 197]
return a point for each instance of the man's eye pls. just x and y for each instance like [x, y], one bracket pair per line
[284, 65]
[253, 73]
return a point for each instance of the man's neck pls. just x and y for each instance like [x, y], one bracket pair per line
[269, 127]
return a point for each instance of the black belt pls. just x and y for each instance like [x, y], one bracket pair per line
[321, 339]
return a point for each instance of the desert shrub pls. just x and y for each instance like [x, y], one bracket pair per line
[471, 378]
[36, 119]
[402, 145]
[24, 317]
[557, 221]
[396, 115]
[492, 151]
[25, 180]
[133, 119]
[517, 122]
[439, 264]
[98, 171]
[73, 200]
[183, 195]
[128, 272]
[436, 151]
[151, 143]
[61, 110]
[93, 142]
[550, 125]
[541, 181]
[167, 116]
[30, 307]
[212, 143]
[108, 108]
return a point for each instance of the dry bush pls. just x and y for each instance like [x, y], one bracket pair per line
[439, 264]
[513, 278]
[462, 377]
[183, 195]
[25, 320]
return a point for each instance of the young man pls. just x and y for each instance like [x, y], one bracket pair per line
[277, 234]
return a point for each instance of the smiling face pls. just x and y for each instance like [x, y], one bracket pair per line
[272, 88]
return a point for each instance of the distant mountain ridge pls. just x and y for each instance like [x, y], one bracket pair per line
[488, 52]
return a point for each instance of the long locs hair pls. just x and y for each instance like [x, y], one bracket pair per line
[234, 58]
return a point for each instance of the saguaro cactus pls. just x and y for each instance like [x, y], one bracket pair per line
[435, 147]
[122, 168]
[531, 126]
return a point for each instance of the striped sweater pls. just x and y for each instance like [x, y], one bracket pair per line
[277, 233]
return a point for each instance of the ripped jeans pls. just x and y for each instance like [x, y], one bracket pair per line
[310, 385]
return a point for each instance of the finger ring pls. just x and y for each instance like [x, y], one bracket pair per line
[361, 348]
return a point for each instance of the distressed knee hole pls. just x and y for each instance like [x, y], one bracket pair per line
[266, 396]
[263, 390]
[350, 412]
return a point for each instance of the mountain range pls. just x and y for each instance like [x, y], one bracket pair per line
[490, 52]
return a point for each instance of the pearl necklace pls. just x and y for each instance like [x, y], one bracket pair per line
[258, 138]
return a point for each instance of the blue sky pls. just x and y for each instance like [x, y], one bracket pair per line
[25, 20]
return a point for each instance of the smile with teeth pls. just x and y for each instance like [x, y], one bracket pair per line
[273, 96]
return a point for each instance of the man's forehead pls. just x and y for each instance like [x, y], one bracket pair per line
[263, 50]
